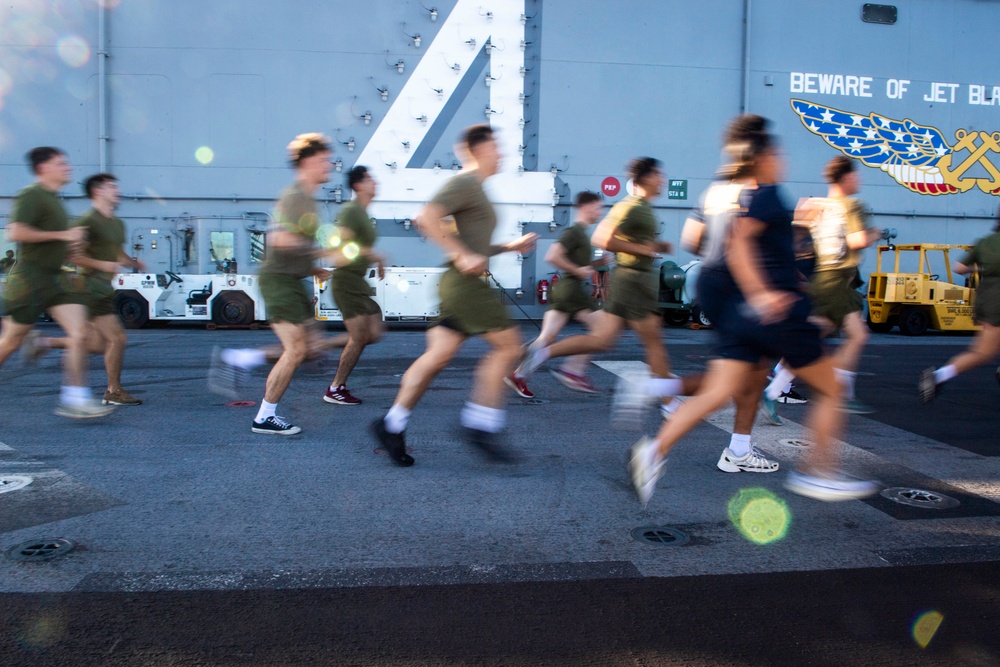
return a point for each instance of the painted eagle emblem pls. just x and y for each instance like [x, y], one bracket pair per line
[916, 156]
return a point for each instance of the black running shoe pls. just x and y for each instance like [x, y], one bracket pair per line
[394, 444]
[490, 446]
[275, 426]
[791, 396]
[927, 388]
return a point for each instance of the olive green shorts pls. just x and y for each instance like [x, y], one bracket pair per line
[987, 309]
[469, 306]
[352, 294]
[27, 293]
[832, 296]
[570, 296]
[632, 295]
[285, 298]
[100, 296]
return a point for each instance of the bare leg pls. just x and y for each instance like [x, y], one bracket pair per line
[109, 329]
[11, 337]
[489, 389]
[73, 320]
[723, 378]
[848, 355]
[984, 348]
[825, 418]
[442, 345]
[293, 342]
[362, 331]
[578, 362]
[552, 323]
[601, 337]
[747, 399]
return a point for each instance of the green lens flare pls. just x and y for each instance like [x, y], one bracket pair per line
[759, 515]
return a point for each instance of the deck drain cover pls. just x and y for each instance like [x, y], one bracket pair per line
[920, 498]
[795, 442]
[39, 550]
[13, 482]
[661, 536]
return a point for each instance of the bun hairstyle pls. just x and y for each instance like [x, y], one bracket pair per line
[746, 138]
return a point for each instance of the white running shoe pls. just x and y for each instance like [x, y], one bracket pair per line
[836, 486]
[225, 379]
[87, 410]
[645, 468]
[532, 360]
[630, 401]
[752, 461]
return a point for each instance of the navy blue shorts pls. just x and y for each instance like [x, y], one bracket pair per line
[741, 335]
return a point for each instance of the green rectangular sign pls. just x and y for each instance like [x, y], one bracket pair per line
[677, 189]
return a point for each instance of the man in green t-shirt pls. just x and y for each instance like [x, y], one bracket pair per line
[573, 255]
[468, 306]
[840, 231]
[629, 231]
[291, 256]
[355, 235]
[102, 258]
[38, 282]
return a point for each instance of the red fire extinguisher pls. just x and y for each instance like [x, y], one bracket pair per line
[543, 291]
[555, 279]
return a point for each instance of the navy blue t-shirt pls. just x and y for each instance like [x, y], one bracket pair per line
[774, 245]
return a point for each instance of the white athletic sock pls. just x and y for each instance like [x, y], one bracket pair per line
[483, 418]
[334, 387]
[397, 418]
[739, 444]
[945, 373]
[245, 358]
[847, 379]
[663, 387]
[75, 396]
[671, 407]
[266, 410]
[534, 360]
[781, 383]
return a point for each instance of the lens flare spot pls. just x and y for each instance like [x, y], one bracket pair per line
[351, 250]
[404, 286]
[323, 235]
[204, 155]
[73, 50]
[759, 515]
[44, 631]
[334, 241]
[925, 626]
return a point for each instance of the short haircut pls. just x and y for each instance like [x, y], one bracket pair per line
[475, 135]
[838, 167]
[39, 156]
[306, 145]
[641, 167]
[356, 175]
[96, 181]
[585, 197]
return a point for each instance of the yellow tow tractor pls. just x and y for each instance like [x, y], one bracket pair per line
[914, 297]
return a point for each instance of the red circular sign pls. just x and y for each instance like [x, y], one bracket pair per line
[610, 186]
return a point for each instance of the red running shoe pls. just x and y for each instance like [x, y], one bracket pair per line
[519, 386]
[340, 396]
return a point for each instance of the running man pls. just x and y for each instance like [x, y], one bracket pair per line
[984, 256]
[752, 295]
[840, 231]
[362, 317]
[468, 306]
[291, 253]
[629, 230]
[38, 283]
[573, 255]
[102, 258]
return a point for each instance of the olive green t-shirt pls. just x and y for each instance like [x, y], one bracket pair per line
[836, 227]
[39, 208]
[464, 198]
[105, 237]
[576, 242]
[634, 222]
[985, 253]
[295, 213]
[355, 219]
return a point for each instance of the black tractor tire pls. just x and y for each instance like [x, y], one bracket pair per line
[676, 318]
[913, 321]
[132, 309]
[232, 309]
[880, 327]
